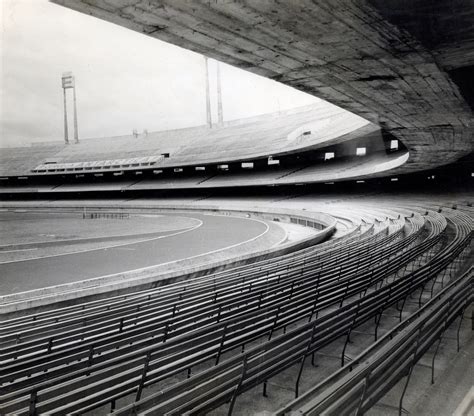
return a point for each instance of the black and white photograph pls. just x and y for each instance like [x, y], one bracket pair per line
[237, 207]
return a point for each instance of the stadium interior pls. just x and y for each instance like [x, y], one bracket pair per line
[306, 262]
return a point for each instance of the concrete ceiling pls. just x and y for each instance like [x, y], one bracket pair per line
[404, 64]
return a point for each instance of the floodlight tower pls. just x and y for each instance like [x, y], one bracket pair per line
[220, 113]
[208, 95]
[68, 83]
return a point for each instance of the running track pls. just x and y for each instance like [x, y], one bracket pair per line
[215, 233]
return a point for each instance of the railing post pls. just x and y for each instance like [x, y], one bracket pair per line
[410, 371]
[50, 344]
[359, 411]
[91, 356]
[274, 323]
[308, 349]
[237, 388]
[167, 328]
[260, 300]
[437, 346]
[143, 378]
[345, 294]
[459, 326]
[315, 305]
[291, 291]
[377, 322]
[349, 334]
[221, 345]
[121, 324]
[33, 401]
[219, 311]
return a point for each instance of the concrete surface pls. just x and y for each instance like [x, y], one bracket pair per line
[403, 65]
[278, 134]
[30, 235]
[19, 227]
[210, 233]
[269, 244]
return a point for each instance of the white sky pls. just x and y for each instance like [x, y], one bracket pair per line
[124, 79]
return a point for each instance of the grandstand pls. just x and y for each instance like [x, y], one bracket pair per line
[120, 350]
[306, 128]
[304, 262]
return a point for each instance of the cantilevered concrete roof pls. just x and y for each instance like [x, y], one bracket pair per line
[402, 64]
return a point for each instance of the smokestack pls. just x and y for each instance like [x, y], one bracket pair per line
[219, 96]
[208, 97]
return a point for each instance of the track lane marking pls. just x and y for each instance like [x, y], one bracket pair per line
[91, 280]
[107, 247]
[197, 255]
[20, 249]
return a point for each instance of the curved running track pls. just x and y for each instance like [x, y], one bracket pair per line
[214, 233]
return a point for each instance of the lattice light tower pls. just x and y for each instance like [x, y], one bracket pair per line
[67, 83]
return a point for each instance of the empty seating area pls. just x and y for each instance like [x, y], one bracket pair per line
[321, 172]
[278, 134]
[194, 346]
[168, 272]
[19, 161]
[335, 170]
[360, 384]
[291, 131]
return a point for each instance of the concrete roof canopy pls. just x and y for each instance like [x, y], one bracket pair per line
[402, 65]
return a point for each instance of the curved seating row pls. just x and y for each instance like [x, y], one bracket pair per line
[218, 385]
[337, 170]
[264, 361]
[360, 384]
[195, 287]
[23, 331]
[79, 358]
[53, 347]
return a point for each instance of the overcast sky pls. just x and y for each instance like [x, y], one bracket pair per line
[124, 79]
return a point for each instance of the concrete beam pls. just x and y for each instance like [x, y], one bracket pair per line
[353, 54]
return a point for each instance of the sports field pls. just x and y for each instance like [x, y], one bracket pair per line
[44, 249]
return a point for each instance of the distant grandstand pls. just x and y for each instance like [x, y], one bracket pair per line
[291, 132]
[309, 145]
